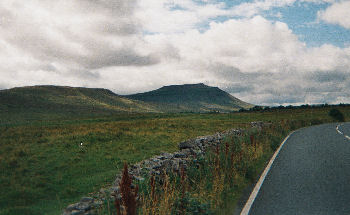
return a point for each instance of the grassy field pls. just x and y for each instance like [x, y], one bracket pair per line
[43, 168]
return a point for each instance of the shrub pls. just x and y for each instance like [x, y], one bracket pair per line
[250, 174]
[336, 115]
[275, 143]
[189, 205]
[316, 122]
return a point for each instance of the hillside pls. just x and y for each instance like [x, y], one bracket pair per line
[191, 97]
[41, 101]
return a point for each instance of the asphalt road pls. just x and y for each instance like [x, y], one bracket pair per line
[310, 175]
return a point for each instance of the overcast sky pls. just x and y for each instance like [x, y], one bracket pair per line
[266, 52]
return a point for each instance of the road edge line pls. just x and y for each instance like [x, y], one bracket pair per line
[337, 129]
[249, 203]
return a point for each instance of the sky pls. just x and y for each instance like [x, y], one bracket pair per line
[266, 52]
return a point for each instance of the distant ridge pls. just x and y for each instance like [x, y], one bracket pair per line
[46, 101]
[191, 97]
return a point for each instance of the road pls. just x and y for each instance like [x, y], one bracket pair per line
[310, 175]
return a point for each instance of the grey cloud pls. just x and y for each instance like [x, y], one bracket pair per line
[288, 87]
[86, 47]
[3, 86]
[318, 88]
[327, 97]
[119, 7]
[102, 55]
[327, 76]
[171, 51]
[234, 75]
[48, 67]
[82, 74]
[118, 16]
[331, 98]
[6, 17]
[119, 58]
[87, 75]
[239, 88]
[285, 99]
[123, 27]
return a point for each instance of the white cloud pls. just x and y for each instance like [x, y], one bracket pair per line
[169, 16]
[104, 44]
[250, 45]
[265, 56]
[338, 13]
[253, 8]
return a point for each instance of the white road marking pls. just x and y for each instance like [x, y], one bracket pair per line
[338, 130]
[258, 185]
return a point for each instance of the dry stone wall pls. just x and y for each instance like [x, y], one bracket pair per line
[188, 150]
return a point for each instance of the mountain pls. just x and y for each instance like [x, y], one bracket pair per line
[191, 97]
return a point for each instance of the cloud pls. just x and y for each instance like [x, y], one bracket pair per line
[251, 9]
[168, 16]
[85, 34]
[337, 13]
[132, 46]
[260, 61]
[327, 76]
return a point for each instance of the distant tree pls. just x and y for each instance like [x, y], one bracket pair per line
[336, 114]
[242, 110]
[256, 108]
[305, 106]
[267, 108]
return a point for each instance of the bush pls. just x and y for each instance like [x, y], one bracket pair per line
[189, 205]
[275, 143]
[336, 115]
[251, 173]
[317, 121]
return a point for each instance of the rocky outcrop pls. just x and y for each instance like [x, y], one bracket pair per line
[173, 162]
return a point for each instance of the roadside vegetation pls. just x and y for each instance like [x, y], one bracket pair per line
[47, 164]
[211, 183]
[336, 115]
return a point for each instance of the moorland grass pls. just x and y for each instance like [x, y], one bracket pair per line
[44, 167]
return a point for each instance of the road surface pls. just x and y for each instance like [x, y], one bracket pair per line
[310, 175]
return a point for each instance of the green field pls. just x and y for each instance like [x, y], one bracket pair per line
[43, 168]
